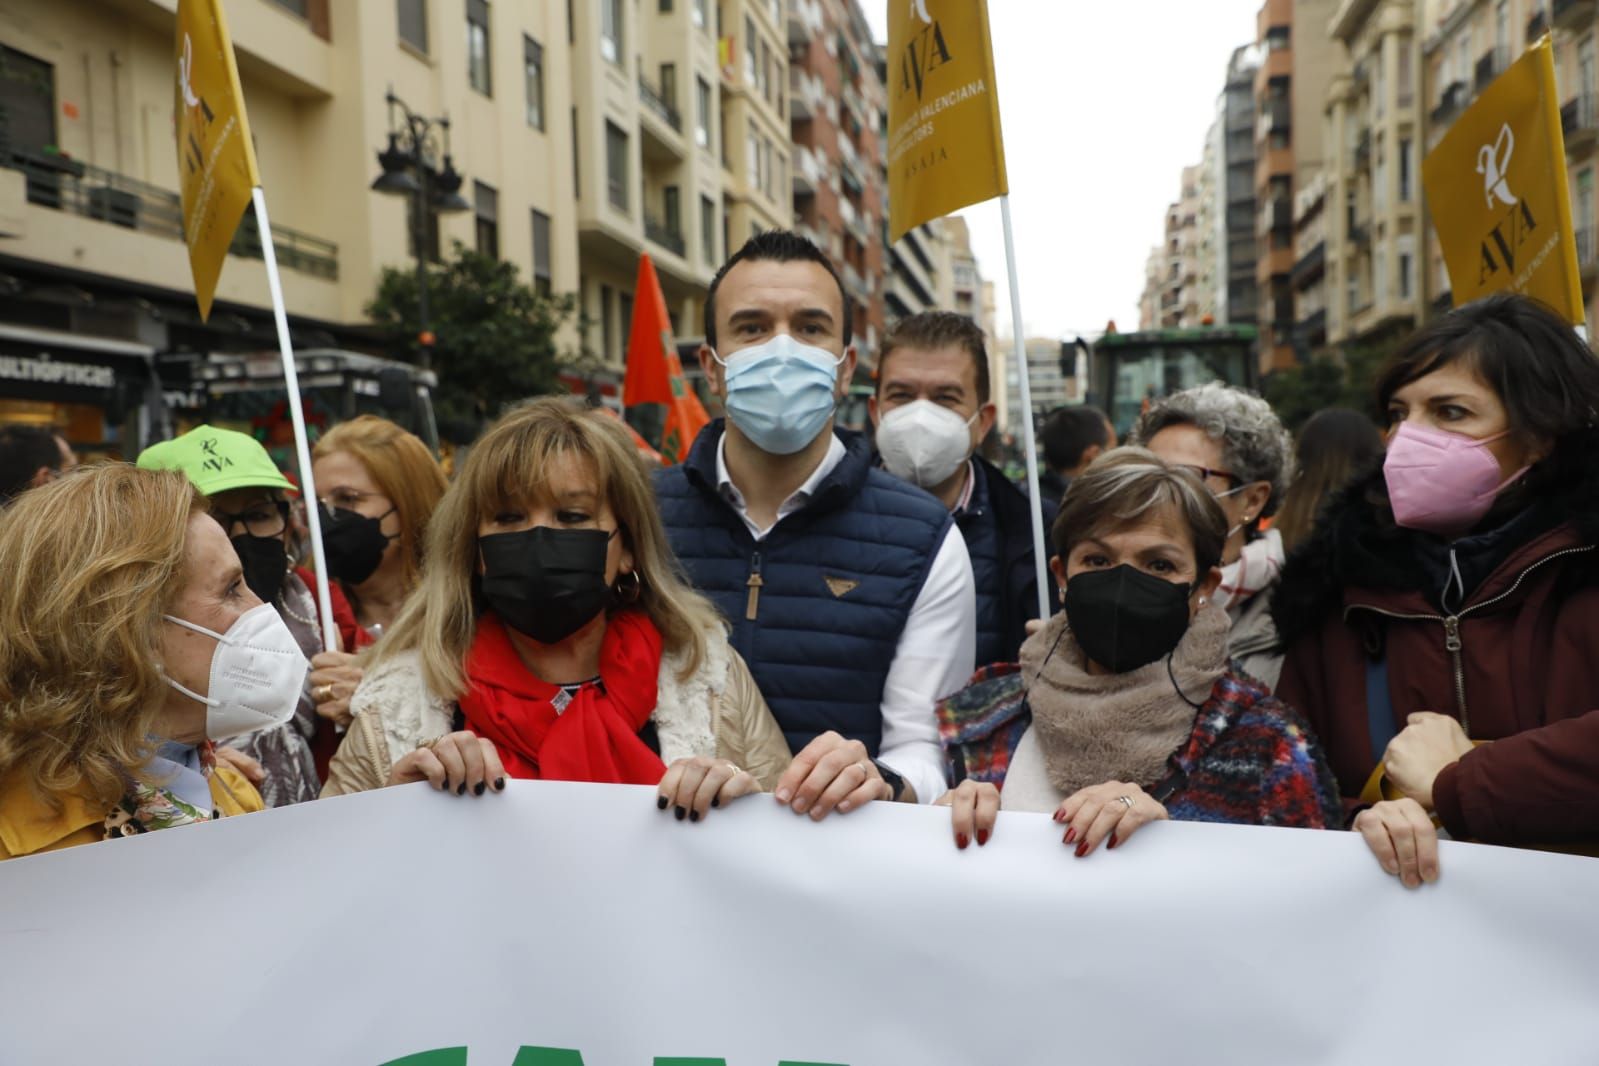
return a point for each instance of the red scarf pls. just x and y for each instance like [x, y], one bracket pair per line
[596, 737]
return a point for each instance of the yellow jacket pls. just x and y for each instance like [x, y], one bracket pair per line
[28, 826]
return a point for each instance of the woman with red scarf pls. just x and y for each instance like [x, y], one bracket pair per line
[552, 638]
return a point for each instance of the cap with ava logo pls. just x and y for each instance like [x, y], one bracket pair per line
[217, 460]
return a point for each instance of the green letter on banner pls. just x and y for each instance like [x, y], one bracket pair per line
[548, 1056]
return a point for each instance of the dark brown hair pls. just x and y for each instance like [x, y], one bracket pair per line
[930, 330]
[1126, 487]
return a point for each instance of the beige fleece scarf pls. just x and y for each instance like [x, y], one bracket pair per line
[1118, 727]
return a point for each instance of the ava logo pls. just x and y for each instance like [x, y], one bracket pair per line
[186, 74]
[193, 155]
[1503, 244]
[1493, 161]
[925, 52]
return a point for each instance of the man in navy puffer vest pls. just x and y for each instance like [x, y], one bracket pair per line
[849, 592]
[932, 410]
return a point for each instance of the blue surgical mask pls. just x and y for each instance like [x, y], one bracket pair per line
[780, 394]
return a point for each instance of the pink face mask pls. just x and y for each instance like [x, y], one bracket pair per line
[1441, 482]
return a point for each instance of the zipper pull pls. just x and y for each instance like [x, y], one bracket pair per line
[1452, 633]
[752, 605]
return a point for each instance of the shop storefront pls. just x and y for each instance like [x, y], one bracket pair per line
[101, 394]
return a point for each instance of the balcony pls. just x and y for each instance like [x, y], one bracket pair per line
[1277, 215]
[1363, 150]
[1579, 119]
[658, 232]
[1276, 116]
[1572, 14]
[1490, 66]
[1359, 235]
[1538, 24]
[1451, 101]
[657, 105]
[1587, 253]
[856, 284]
[1310, 266]
[1311, 330]
[810, 172]
[1360, 79]
[66, 185]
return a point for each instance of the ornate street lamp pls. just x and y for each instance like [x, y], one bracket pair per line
[408, 170]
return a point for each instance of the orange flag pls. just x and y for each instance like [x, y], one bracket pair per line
[654, 372]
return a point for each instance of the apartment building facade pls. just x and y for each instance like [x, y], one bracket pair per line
[837, 107]
[757, 194]
[1375, 232]
[1236, 300]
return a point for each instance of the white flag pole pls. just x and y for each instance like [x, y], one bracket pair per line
[302, 445]
[1039, 552]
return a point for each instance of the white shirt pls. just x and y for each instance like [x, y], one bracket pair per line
[937, 648]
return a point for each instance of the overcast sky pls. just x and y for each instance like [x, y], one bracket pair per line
[1103, 105]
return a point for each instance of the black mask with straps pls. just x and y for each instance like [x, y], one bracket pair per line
[1124, 618]
[546, 583]
[353, 543]
[266, 563]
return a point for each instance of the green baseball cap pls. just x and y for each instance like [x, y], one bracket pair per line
[217, 460]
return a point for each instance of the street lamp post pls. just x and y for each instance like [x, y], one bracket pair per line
[408, 170]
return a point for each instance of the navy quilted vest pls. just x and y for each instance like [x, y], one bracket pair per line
[816, 607]
[986, 547]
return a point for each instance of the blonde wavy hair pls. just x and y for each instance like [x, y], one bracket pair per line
[404, 471]
[91, 563]
[506, 468]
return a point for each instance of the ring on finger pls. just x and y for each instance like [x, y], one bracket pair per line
[733, 768]
[322, 693]
[1127, 800]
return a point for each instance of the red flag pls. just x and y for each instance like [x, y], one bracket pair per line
[654, 372]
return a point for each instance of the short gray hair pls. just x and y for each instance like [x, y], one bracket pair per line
[1254, 444]
[1128, 486]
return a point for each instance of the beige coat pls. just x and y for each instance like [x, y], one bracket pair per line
[718, 711]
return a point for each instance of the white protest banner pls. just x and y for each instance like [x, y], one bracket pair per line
[561, 924]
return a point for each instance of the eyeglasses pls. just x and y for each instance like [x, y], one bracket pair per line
[348, 498]
[1205, 473]
[269, 518]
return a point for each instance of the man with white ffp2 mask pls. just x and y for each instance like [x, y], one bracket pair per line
[849, 592]
[931, 411]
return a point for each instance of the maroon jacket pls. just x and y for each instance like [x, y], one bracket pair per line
[1517, 662]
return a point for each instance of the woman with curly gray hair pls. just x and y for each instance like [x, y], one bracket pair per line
[1234, 442]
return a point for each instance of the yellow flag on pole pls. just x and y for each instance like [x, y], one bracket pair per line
[1496, 189]
[945, 150]
[216, 159]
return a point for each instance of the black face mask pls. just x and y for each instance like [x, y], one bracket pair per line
[266, 563]
[546, 583]
[353, 543]
[1124, 618]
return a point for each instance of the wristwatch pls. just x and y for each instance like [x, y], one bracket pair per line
[895, 781]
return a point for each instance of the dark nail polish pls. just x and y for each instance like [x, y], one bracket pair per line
[693, 816]
[660, 803]
[1082, 849]
[460, 790]
[961, 841]
[681, 812]
[982, 837]
[477, 789]
[1071, 834]
[1113, 841]
[499, 784]
[716, 801]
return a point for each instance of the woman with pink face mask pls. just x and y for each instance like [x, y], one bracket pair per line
[1442, 621]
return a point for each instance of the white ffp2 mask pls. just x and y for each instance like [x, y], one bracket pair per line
[924, 443]
[257, 674]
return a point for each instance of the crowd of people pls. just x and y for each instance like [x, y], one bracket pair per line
[1384, 631]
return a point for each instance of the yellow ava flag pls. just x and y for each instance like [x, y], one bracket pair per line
[1496, 189]
[216, 159]
[945, 150]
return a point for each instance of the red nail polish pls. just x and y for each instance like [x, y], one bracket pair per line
[961, 841]
[982, 837]
[1082, 849]
[1071, 834]
[1113, 840]
[1057, 816]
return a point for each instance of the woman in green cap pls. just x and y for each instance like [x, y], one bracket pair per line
[248, 496]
